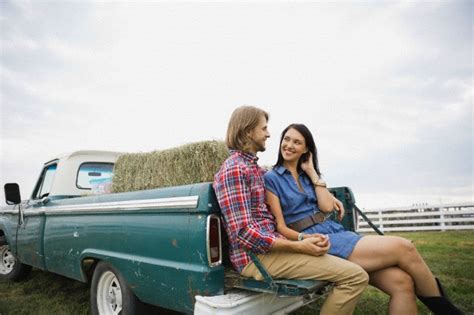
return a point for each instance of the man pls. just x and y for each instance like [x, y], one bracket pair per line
[240, 191]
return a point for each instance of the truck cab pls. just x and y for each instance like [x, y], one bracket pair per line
[77, 172]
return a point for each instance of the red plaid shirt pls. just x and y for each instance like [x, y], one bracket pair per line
[240, 191]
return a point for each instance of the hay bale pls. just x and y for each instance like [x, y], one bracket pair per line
[187, 164]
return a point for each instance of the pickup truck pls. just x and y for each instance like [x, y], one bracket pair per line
[162, 246]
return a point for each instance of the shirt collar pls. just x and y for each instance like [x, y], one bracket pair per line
[245, 155]
[280, 169]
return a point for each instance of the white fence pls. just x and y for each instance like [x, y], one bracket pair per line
[420, 218]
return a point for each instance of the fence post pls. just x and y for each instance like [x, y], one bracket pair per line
[380, 221]
[441, 216]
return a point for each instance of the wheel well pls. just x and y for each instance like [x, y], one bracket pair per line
[3, 239]
[88, 266]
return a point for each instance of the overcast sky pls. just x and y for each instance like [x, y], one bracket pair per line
[385, 87]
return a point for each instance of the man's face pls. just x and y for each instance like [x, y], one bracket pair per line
[259, 135]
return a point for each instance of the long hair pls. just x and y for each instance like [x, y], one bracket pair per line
[242, 121]
[310, 145]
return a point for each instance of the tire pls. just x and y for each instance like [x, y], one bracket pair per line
[10, 267]
[110, 293]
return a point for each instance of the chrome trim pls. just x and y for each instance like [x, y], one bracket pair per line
[219, 262]
[31, 213]
[8, 211]
[189, 202]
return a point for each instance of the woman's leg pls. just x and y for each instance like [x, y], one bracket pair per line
[399, 286]
[374, 253]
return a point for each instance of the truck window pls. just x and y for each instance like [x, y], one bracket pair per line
[45, 182]
[90, 173]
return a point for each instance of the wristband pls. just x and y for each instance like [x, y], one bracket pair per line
[300, 236]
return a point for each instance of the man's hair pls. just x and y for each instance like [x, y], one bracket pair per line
[242, 121]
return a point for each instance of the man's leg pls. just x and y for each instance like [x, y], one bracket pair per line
[349, 279]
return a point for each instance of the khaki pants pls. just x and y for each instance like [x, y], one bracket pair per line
[349, 279]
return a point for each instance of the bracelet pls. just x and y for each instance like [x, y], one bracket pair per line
[320, 183]
[301, 236]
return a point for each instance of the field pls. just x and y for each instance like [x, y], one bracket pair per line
[449, 254]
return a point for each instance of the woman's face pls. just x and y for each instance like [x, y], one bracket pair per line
[293, 145]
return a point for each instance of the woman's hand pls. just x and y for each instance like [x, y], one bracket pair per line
[323, 240]
[311, 246]
[308, 168]
[339, 207]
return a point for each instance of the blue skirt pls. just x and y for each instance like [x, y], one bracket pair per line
[342, 241]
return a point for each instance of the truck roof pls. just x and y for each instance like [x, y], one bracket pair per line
[66, 155]
[65, 178]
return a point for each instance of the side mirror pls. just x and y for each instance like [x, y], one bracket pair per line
[12, 194]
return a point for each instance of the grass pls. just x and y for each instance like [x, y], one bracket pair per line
[44, 293]
[450, 256]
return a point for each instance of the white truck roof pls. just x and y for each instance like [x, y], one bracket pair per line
[64, 182]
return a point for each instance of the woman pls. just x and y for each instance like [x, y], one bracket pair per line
[298, 197]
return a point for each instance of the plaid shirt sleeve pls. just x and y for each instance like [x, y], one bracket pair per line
[234, 195]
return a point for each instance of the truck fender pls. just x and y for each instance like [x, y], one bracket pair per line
[127, 265]
[5, 235]
[116, 259]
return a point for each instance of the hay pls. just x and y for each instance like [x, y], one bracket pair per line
[187, 164]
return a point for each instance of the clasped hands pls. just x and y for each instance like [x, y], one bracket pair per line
[315, 244]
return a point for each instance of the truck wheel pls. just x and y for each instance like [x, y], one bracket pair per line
[10, 268]
[110, 293]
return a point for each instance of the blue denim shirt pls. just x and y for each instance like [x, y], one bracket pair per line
[295, 204]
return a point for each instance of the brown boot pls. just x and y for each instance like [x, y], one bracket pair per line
[440, 305]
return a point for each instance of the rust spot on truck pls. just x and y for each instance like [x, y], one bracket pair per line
[174, 242]
[192, 292]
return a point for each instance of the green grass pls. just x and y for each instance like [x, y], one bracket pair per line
[44, 293]
[450, 256]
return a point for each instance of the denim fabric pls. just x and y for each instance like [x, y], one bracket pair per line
[342, 241]
[297, 205]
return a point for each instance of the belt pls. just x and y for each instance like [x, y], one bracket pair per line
[308, 221]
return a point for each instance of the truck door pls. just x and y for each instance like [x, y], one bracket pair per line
[30, 249]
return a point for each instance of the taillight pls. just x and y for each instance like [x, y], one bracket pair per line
[214, 246]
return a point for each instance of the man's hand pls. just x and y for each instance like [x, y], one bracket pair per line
[323, 240]
[310, 246]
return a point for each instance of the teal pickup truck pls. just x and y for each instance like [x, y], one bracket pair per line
[160, 246]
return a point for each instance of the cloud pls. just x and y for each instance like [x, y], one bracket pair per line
[386, 88]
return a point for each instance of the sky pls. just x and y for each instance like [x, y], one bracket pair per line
[386, 87]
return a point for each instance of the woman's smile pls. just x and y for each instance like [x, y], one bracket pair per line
[292, 145]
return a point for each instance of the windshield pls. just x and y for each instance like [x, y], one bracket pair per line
[46, 180]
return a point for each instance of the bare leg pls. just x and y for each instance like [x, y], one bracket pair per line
[399, 286]
[374, 252]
